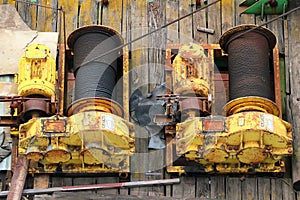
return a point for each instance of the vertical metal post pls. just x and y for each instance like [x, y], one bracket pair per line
[18, 179]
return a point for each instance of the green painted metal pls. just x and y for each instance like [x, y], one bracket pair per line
[248, 2]
[263, 7]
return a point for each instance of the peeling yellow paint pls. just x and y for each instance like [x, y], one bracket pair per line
[112, 15]
[86, 12]
[45, 17]
[71, 10]
[32, 11]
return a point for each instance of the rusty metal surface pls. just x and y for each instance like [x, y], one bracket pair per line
[61, 81]
[86, 142]
[100, 104]
[20, 108]
[96, 187]
[277, 79]
[248, 62]
[194, 104]
[194, 78]
[18, 179]
[251, 103]
[240, 143]
[251, 139]
[35, 106]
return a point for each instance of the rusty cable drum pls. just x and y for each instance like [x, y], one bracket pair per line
[248, 61]
[98, 77]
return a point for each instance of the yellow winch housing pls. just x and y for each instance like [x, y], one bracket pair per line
[191, 71]
[242, 142]
[86, 142]
[37, 72]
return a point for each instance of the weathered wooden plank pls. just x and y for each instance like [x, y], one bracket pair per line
[260, 20]
[293, 65]
[168, 158]
[172, 13]
[214, 22]
[61, 181]
[87, 12]
[101, 180]
[186, 189]
[49, 17]
[277, 28]
[71, 10]
[185, 25]
[139, 77]
[263, 188]
[276, 189]
[126, 20]
[249, 189]
[287, 189]
[156, 42]
[41, 181]
[199, 20]
[218, 187]
[112, 14]
[242, 19]
[84, 180]
[23, 8]
[233, 188]
[139, 57]
[203, 187]
[33, 8]
[156, 170]
[139, 161]
[286, 54]
[228, 15]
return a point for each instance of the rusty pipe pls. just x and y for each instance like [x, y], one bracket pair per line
[96, 187]
[18, 179]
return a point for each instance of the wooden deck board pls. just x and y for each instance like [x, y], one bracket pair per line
[112, 15]
[242, 19]
[263, 188]
[214, 22]
[88, 12]
[233, 188]
[186, 189]
[185, 25]
[47, 17]
[294, 101]
[199, 20]
[249, 189]
[276, 189]
[172, 12]
[71, 14]
[203, 186]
